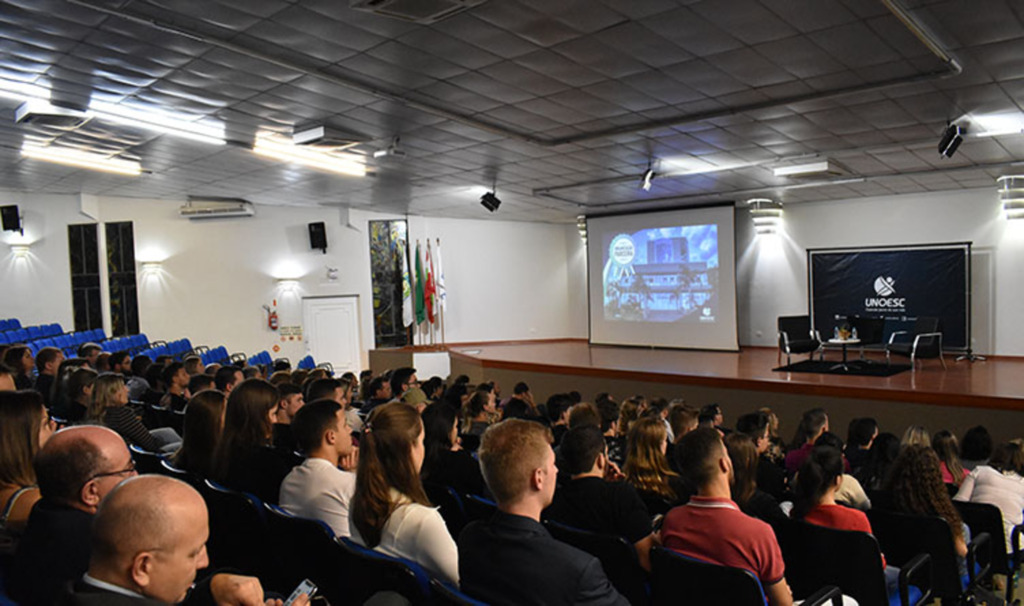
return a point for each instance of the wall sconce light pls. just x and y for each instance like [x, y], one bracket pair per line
[767, 215]
[287, 284]
[151, 266]
[1011, 194]
[581, 226]
[20, 250]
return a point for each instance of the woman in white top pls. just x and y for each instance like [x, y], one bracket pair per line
[998, 483]
[389, 511]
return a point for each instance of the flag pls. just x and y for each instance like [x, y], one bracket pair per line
[406, 286]
[442, 293]
[428, 291]
[421, 314]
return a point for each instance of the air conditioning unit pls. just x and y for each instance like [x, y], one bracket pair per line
[321, 136]
[415, 11]
[216, 208]
[41, 113]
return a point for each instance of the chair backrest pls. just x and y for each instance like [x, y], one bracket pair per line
[374, 572]
[902, 536]
[870, 331]
[617, 556]
[446, 595]
[237, 530]
[448, 500]
[676, 579]
[145, 461]
[983, 517]
[797, 327]
[168, 469]
[478, 508]
[817, 556]
[928, 346]
[297, 544]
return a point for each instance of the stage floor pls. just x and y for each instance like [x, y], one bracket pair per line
[997, 383]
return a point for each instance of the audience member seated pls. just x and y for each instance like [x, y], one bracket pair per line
[711, 526]
[434, 388]
[47, 363]
[632, 409]
[379, 393]
[389, 511]
[80, 385]
[945, 446]
[916, 484]
[658, 407]
[975, 448]
[813, 424]
[199, 382]
[280, 377]
[193, 365]
[777, 451]
[121, 362]
[445, 462]
[590, 502]
[19, 359]
[850, 492]
[682, 419]
[6, 378]
[610, 412]
[744, 491]
[916, 435]
[401, 380]
[318, 489]
[211, 369]
[648, 471]
[511, 559]
[558, 406]
[714, 412]
[290, 403]
[521, 405]
[999, 483]
[109, 406]
[859, 438]
[770, 477]
[90, 352]
[25, 426]
[75, 469]
[415, 397]
[155, 380]
[203, 425]
[226, 378]
[148, 542]
[176, 379]
[244, 459]
[137, 383]
[479, 413]
[882, 455]
[341, 392]
[103, 362]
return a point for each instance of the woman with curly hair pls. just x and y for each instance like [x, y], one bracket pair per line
[753, 502]
[389, 511]
[917, 488]
[648, 471]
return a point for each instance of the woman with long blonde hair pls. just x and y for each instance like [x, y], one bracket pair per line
[109, 406]
[647, 468]
[389, 511]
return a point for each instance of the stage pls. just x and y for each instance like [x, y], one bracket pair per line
[989, 393]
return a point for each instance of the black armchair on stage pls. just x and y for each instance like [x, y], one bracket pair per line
[797, 337]
[870, 331]
[926, 342]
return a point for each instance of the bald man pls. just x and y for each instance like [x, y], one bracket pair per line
[148, 543]
[75, 469]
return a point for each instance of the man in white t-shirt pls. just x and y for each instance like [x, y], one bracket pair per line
[318, 488]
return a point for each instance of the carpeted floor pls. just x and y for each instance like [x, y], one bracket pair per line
[864, 369]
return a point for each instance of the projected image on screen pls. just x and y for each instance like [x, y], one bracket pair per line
[662, 274]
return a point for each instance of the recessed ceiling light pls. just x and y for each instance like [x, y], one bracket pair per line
[280, 148]
[80, 159]
[994, 125]
[160, 121]
[809, 168]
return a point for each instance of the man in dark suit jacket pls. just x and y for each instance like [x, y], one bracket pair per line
[75, 469]
[512, 559]
[149, 541]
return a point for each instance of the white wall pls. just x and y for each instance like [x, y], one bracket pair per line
[505, 280]
[772, 271]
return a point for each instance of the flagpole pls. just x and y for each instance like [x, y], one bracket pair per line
[441, 306]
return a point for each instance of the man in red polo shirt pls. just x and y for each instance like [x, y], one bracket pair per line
[711, 526]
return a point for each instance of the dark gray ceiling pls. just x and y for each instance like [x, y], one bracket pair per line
[562, 102]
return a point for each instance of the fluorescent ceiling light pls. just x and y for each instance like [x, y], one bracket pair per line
[80, 159]
[802, 169]
[993, 125]
[280, 148]
[159, 121]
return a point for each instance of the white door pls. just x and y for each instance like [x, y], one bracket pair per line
[331, 327]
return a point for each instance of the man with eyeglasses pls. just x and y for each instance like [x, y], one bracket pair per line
[75, 469]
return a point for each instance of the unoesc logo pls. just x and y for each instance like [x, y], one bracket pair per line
[885, 287]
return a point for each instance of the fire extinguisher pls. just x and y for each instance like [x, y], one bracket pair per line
[272, 315]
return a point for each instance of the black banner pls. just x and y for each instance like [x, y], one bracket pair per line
[898, 284]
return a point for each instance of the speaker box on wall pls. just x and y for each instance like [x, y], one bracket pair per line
[318, 236]
[11, 220]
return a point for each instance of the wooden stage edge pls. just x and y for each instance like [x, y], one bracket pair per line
[997, 383]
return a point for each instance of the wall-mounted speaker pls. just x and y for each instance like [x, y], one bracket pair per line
[318, 236]
[10, 217]
[952, 137]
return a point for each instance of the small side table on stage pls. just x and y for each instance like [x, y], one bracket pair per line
[844, 343]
